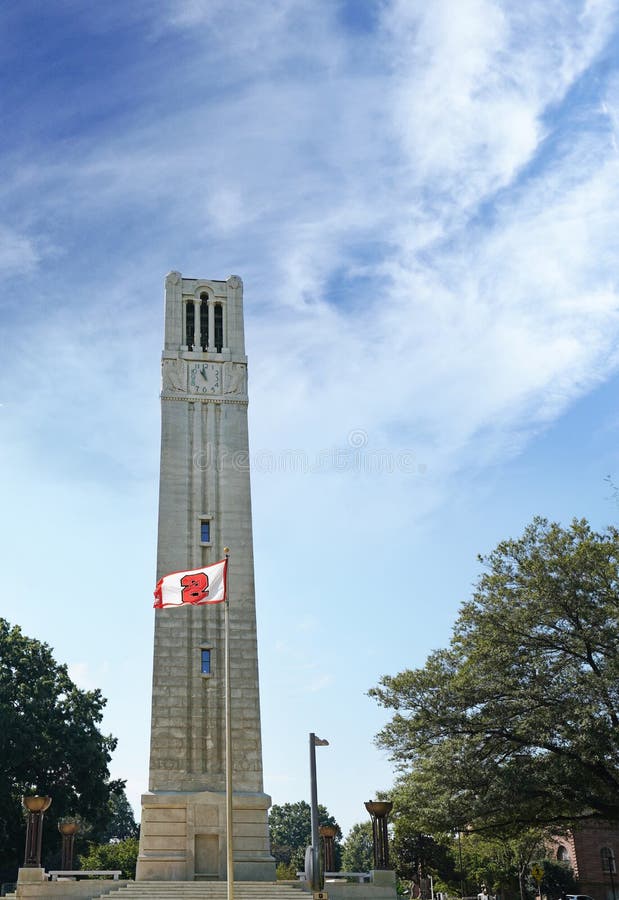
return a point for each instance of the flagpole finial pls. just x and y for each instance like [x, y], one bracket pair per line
[226, 550]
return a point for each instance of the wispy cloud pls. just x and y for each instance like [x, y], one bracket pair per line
[477, 266]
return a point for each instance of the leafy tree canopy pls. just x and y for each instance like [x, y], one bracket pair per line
[50, 744]
[558, 879]
[121, 855]
[358, 848]
[290, 830]
[517, 722]
[504, 865]
[121, 823]
[501, 864]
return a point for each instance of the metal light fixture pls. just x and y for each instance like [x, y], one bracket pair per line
[327, 833]
[314, 871]
[36, 807]
[68, 830]
[379, 810]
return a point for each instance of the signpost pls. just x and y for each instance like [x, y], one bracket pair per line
[537, 872]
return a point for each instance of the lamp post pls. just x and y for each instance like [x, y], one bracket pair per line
[461, 869]
[36, 807]
[313, 869]
[327, 833]
[68, 830]
[379, 811]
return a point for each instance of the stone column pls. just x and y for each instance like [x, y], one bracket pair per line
[211, 326]
[196, 326]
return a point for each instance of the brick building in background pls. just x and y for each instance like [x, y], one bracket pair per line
[591, 851]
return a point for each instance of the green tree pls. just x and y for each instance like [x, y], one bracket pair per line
[121, 855]
[50, 743]
[290, 832]
[413, 848]
[502, 864]
[558, 879]
[357, 848]
[121, 822]
[285, 872]
[517, 722]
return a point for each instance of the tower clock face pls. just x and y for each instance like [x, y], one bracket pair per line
[205, 378]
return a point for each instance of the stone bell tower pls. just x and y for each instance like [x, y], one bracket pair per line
[204, 504]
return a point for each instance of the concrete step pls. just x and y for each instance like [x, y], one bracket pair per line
[203, 890]
[220, 887]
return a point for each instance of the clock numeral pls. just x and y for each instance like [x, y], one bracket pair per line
[205, 379]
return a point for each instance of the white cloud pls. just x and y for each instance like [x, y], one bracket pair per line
[485, 301]
[474, 82]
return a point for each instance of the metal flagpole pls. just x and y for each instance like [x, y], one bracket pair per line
[229, 850]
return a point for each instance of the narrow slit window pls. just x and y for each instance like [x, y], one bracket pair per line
[189, 325]
[205, 662]
[608, 861]
[205, 531]
[204, 322]
[219, 327]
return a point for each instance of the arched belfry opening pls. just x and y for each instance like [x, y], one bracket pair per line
[218, 316]
[204, 321]
[190, 324]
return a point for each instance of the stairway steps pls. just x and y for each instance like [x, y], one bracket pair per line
[204, 890]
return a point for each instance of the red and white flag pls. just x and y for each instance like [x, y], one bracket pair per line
[197, 586]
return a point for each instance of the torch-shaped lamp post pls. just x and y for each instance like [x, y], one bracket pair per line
[327, 833]
[36, 807]
[68, 830]
[379, 810]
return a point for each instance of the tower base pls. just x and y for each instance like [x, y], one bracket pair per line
[183, 837]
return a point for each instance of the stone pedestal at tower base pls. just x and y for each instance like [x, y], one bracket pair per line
[32, 874]
[383, 877]
[183, 837]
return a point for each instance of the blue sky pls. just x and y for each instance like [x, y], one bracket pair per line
[422, 202]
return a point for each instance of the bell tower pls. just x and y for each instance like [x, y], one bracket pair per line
[204, 504]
